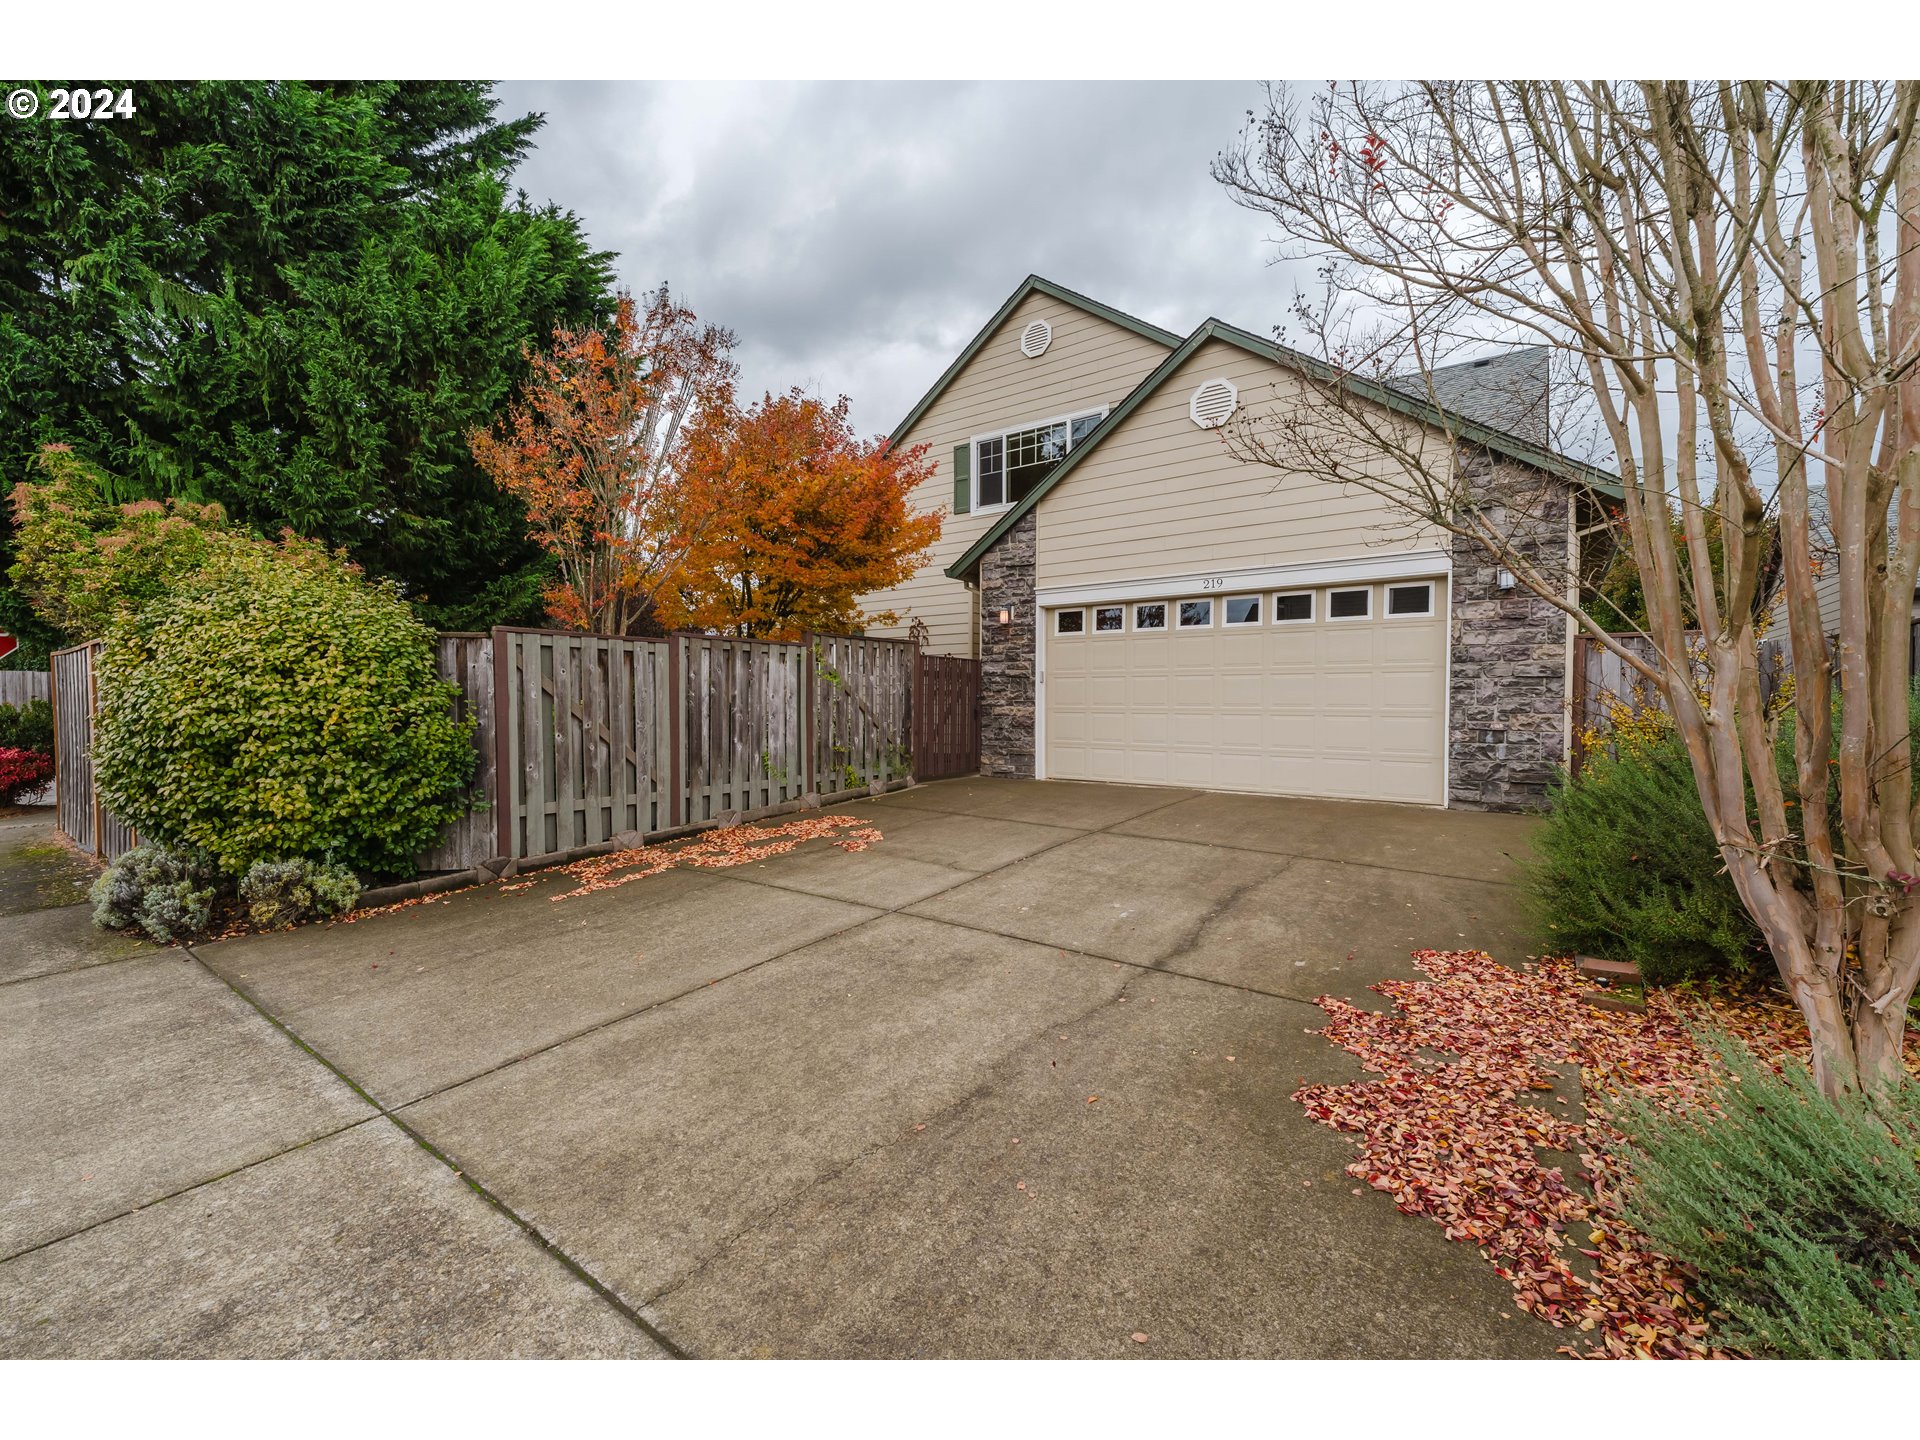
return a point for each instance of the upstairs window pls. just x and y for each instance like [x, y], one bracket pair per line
[1011, 465]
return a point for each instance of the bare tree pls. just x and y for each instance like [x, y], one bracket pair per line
[1733, 270]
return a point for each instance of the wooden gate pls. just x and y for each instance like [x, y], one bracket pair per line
[946, 717]
[77, 810]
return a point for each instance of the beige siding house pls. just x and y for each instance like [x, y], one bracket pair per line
[1091, 360]
[1150, 609]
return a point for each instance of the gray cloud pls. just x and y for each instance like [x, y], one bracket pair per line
[857, 235]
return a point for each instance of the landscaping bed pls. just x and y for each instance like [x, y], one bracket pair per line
[1464, 1127]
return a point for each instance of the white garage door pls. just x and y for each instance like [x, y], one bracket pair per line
[1338, 691]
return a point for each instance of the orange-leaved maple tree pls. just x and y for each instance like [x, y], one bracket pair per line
[805, 519]
[595, 448]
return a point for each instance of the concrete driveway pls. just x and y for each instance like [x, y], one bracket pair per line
[1012, 1082]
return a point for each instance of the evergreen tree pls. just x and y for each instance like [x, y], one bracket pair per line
[294, 300]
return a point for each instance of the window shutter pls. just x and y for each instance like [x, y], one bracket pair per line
[962, 479]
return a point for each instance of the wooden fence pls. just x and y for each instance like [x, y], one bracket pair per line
[580, 740]
[17, 687]
[1602, 679]
[583, 747]
[861, 704]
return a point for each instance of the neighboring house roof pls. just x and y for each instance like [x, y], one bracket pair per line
[1474, 432]
[1028, 287]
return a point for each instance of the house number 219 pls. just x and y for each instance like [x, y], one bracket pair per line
[1214, 584]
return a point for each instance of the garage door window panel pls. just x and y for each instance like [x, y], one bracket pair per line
[1109, 619]
[1069, 622]
[1196, 614]
[1241, 610]
[1350, 604]
[1293, 608]
[1150, 617]
[1409, 602]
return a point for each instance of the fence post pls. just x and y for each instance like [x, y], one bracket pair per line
[810, 721]
[93, 722]
[503, 776]
[676, 720]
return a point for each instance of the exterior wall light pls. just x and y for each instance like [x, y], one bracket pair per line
[1505, 580]
[1006, 617]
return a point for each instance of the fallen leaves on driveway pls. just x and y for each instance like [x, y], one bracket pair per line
[1452, 1131]
[715, 850]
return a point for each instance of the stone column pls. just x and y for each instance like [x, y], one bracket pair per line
[1507, 704]
[1006, 652]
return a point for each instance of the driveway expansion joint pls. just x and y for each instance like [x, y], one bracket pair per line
[202, 1184]
[533, 1232]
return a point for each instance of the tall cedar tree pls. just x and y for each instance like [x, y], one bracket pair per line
[596, 451]
[805, 518]
[293, 300]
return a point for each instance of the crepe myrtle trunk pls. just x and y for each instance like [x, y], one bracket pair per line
[1727, 277]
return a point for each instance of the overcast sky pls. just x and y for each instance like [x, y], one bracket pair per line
[857, 235]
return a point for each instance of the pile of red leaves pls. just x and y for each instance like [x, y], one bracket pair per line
[717, 849]
[1457, 1139]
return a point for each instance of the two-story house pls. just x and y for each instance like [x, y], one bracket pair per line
[1150, 609]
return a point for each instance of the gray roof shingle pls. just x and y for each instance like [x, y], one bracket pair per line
[1506, 392]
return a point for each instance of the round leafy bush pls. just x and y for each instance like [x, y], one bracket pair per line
[1627, 867]
[277, 704]
[283, 893]
[27, 727]
[167, 892]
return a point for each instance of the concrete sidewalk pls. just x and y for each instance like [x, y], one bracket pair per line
[1013, 1082]
[182, 1178]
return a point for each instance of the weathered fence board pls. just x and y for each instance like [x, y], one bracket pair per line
[946, 716]
[72, 693]
[78, 813]
[863, 696]
[467, 660]
[583, 758]
[743, 726]
[17, 687]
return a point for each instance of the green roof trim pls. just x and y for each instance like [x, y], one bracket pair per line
[1574, 472]
[1029, 286]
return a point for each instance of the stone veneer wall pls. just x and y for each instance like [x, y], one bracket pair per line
[1508, 701]
[1006, 653]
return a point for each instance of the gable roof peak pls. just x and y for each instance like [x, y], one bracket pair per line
[1033, 284]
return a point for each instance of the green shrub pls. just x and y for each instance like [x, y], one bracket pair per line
[1789, 770]
[276, 704]
[167, 892]
[1801, 1214]
[84, 561]
[27, 727]
[282, 893]
[1626, 868]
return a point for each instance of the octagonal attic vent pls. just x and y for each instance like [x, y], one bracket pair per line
[1213, 404]
[1035, 339]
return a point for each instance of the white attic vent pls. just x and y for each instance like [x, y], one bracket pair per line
[1035, 339]
[1213, 404]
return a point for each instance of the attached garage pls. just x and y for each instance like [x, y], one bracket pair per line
[1335, 689]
